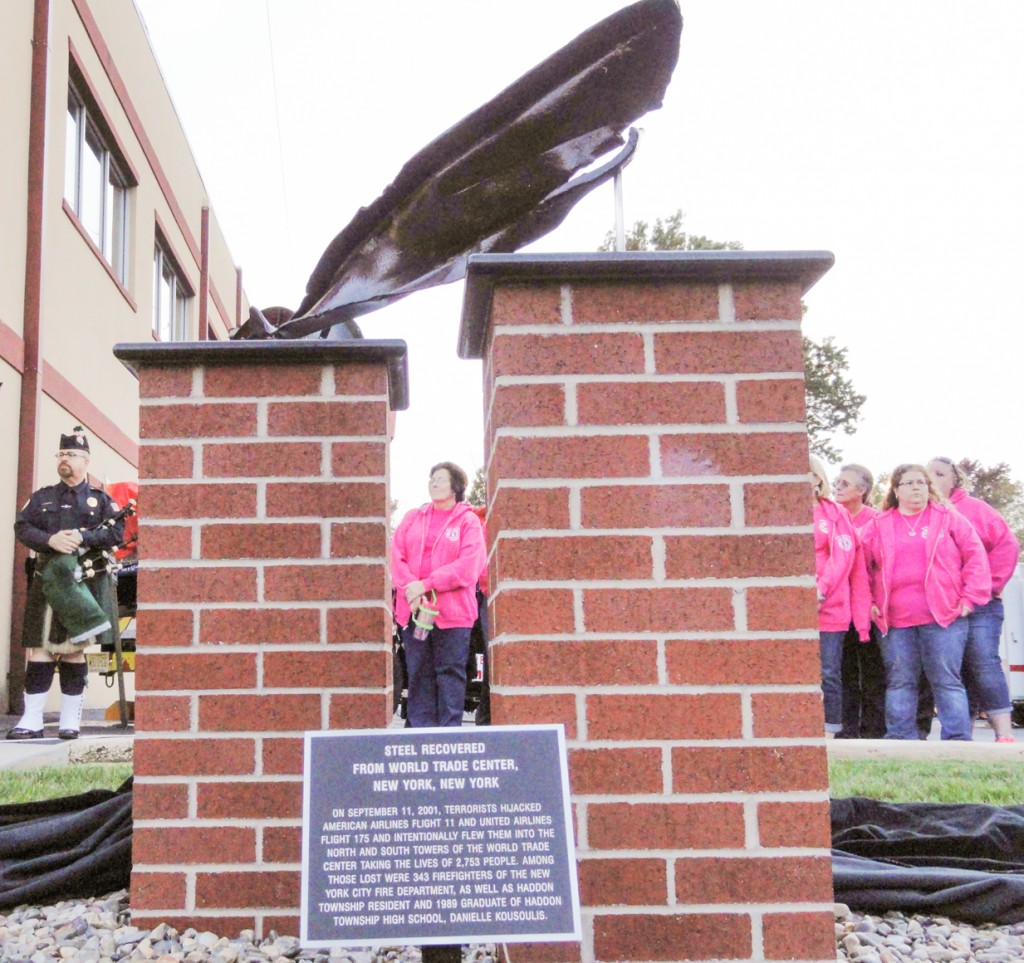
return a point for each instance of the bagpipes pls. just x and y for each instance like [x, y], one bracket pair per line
[100, 561]
[61, 580]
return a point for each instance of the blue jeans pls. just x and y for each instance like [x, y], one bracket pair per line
[940, 652]
[830, 645]
[982, 670]
[436, 667]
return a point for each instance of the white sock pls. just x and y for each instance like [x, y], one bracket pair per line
[33, 717]
[71, 711]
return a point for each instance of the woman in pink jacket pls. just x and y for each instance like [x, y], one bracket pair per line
[928, 572]
[983, 673]
[843, 596]
[863, 668]
[437, 556]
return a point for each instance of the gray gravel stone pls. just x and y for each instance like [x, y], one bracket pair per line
[101, 931]
[896, 938]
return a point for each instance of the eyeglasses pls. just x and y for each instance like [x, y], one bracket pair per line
[69, 454]
[913, 484]
[841, 484]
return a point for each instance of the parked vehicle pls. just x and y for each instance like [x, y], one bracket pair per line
[1012, 642]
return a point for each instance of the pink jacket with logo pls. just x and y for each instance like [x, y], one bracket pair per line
[841, 574]
[457, 560]
[957, 572]
[1000, 543]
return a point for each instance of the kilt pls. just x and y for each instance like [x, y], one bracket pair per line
[101, 588]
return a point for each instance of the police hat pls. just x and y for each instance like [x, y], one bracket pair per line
[76, 441]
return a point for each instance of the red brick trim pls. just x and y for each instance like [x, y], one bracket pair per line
[121, 91]
[12, 348]
[96, 105]
[69, 397]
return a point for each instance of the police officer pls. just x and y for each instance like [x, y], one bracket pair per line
[63, 520]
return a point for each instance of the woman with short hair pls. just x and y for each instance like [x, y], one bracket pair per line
[983, 674]
[437, 556]
[928, 572]
[843, 596]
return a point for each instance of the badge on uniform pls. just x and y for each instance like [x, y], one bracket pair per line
[92, 501]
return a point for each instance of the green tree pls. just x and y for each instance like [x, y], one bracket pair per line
[667, 235]
[995, 486]
[477, 493]
[832, 402]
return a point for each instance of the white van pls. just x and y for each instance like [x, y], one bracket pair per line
[1011, 648]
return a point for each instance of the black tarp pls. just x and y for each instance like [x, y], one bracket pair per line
[961, 861]
[69, 848]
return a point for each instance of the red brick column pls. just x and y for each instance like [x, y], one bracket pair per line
[652, 588]
[264, 609]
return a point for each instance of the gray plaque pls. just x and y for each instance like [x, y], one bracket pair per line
[437, 836]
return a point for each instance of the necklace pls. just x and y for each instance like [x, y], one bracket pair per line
[920, 518]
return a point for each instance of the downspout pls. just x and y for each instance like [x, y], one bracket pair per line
[32, 373]
[204, 274]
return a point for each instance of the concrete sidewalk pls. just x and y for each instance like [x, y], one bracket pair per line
[100, 741]
[103, 741]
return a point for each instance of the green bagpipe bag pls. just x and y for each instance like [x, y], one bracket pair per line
[85, 605]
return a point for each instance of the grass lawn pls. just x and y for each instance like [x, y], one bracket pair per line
[945, 781]
[891, 780]
[50, 782]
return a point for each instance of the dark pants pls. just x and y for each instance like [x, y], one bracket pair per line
[863, 688]
[436, 668]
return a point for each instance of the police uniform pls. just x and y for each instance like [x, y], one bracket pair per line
[88, 606]
[54, 509]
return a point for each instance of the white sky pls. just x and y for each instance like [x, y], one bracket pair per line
[888, 133]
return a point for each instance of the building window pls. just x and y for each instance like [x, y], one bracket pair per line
[171, 296]
[96, 179]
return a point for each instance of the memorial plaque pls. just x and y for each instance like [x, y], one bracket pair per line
[437, 836]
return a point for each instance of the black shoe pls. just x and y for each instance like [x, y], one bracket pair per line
[20, 733]
[67, 733]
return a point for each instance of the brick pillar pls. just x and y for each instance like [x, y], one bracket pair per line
[652, 588]
[264, 609]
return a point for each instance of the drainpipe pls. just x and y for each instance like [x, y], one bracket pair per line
[204, 274]
[32, 372]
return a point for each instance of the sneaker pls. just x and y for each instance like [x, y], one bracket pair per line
[1005, 739]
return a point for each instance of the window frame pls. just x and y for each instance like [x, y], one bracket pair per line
[97, 195]
[182, 294]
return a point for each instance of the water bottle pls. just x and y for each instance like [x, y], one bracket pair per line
[423, 619]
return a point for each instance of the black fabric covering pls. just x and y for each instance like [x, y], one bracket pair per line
[69, 848]
[961, 861]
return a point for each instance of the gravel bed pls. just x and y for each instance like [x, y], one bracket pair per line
[100, 931]
[894, 938]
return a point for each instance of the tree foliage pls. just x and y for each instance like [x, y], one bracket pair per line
[667, 235]
[832, 402]
[476, 495]
[995, 486]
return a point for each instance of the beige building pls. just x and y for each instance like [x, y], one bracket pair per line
[107, 237]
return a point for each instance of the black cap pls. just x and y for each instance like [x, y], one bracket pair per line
[76, 441]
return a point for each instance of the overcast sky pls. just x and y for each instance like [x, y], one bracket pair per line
[888, 133]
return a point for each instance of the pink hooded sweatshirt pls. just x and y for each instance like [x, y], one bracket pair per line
[457, 560]
[1000, 543]
[957, 572]
[842, 576]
